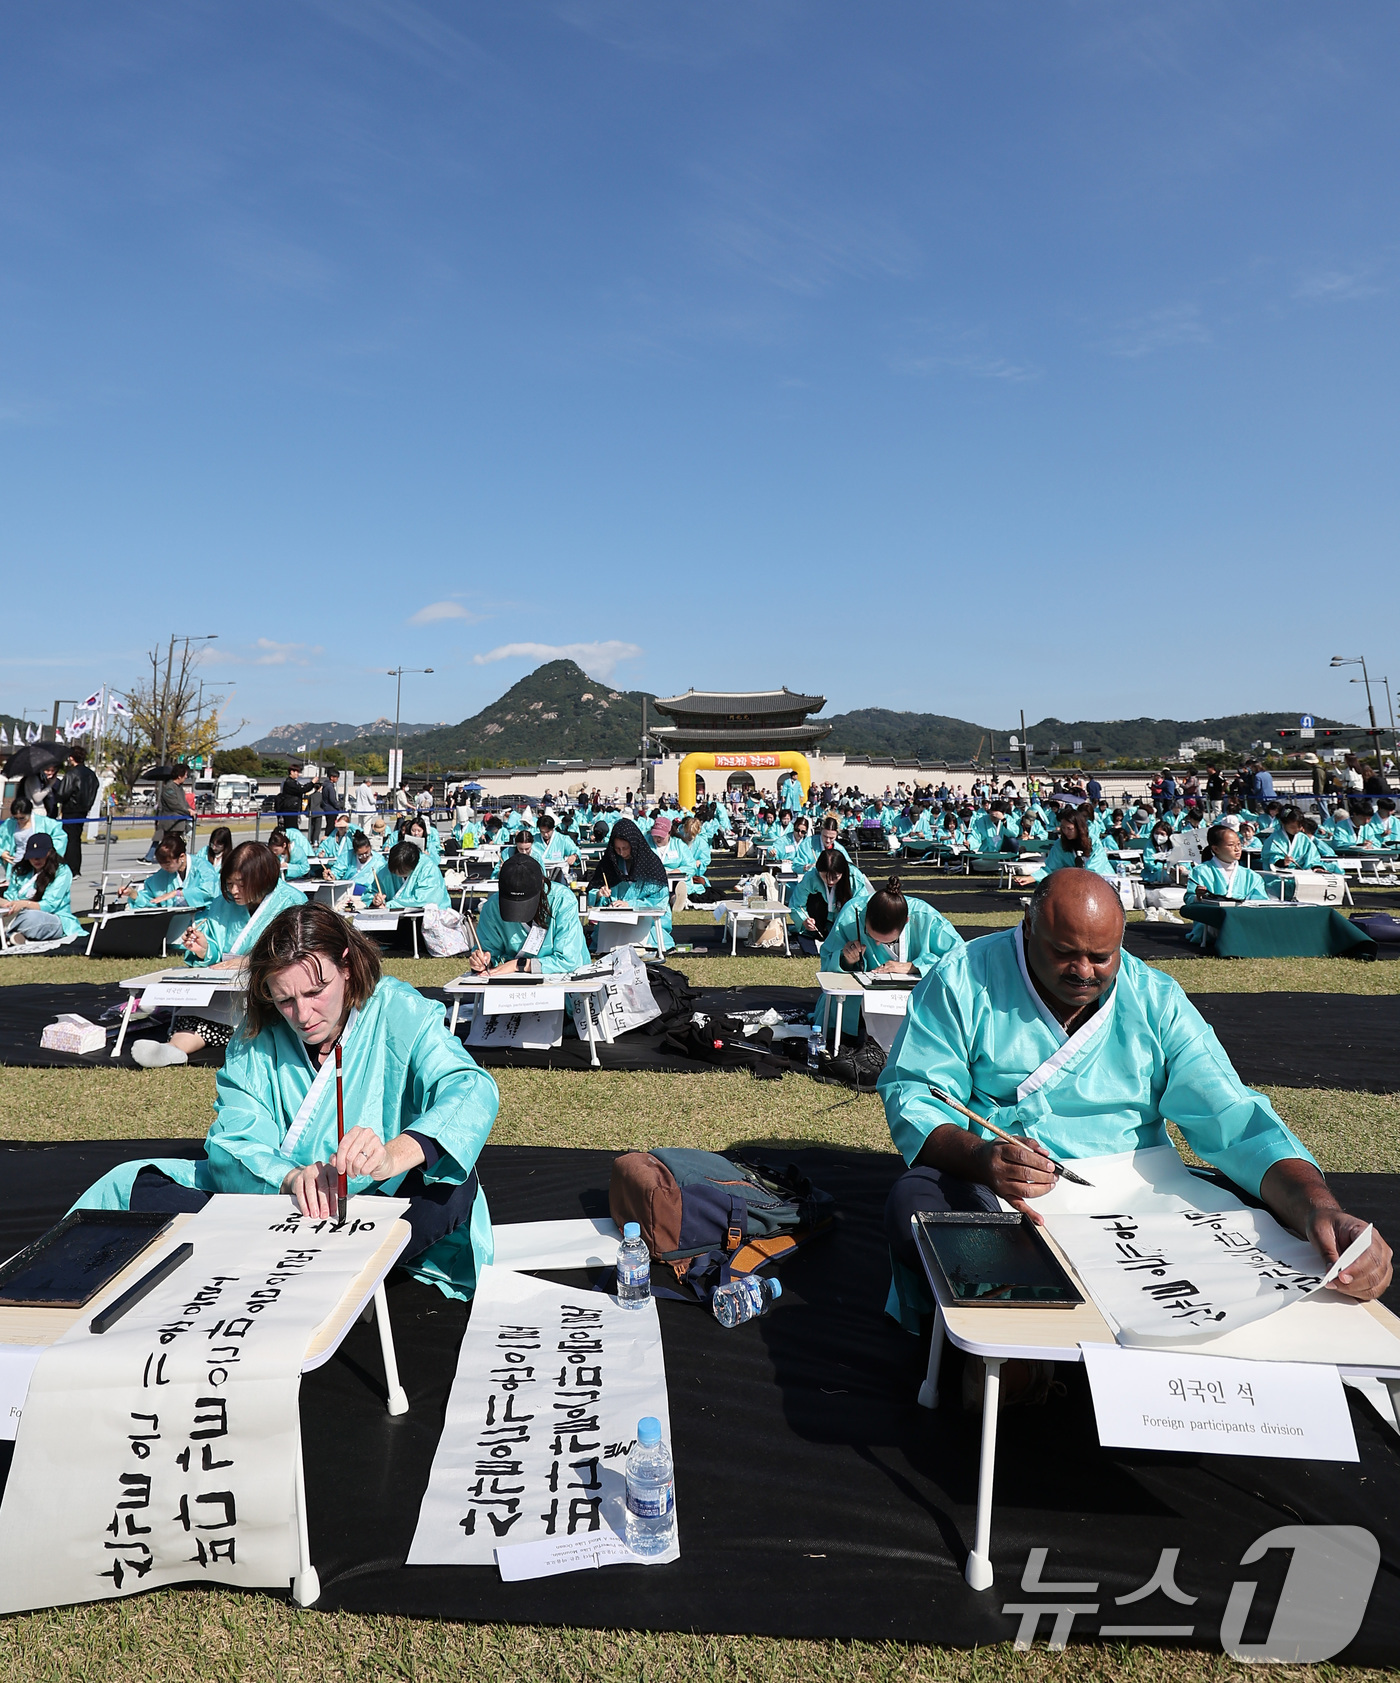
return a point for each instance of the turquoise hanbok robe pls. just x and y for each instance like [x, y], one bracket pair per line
[231, 932]
[812, 887]
[1061, 858]
[159, 883]
[1215, 878]
[559, 850]
[649, 895]
[298, 855]
[402, 1070]
[986, 836]
[56, 899]
[1300, 854]
[43, 825]
[202, 881]
[923, 941]
[422, 887]
[565, 947]
[977, 1027]
[804, 855]
[793, 799]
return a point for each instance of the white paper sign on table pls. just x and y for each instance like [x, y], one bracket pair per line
[549, 1388]
[164, 1449]
[175, 993]
[555, 1555]
[1216, 1405]
[497, 1001]
[16, 1370]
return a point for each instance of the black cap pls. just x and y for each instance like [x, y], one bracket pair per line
[38, 847]
[522, 884]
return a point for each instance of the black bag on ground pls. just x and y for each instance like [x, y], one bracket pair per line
[673, 994]
[1380, 926]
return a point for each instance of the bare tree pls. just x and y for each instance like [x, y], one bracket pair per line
[170, 719]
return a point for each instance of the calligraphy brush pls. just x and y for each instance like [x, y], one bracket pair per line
[1001, 1134]
[341, 1187]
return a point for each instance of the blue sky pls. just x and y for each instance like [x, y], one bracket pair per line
[959, 358]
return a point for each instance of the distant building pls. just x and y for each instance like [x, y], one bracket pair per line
[712, 721]
[1200, 745]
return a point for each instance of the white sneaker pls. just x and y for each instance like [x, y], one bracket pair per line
[156, 1054]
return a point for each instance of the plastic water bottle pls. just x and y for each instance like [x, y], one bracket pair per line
[633, 1268]
[745, 1297]
[651, 1491]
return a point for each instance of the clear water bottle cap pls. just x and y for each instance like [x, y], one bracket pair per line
[631, 1230]
[649, 1431]
[776, 1287]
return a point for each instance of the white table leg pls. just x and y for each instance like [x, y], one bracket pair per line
[928, 1391]
[126, 1020]
[586, 1001]
[415, 922]
[306, 1585]
[456, 1007]
[733, 937]
[398, 1397]
[656, 930]
[979, 1563]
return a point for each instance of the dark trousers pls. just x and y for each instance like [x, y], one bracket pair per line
[434, 1208]
[920, 1189]
[73, 856]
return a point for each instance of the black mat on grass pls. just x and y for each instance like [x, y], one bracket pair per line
[29, 1007]
[815, 1498]
[1342, 1040]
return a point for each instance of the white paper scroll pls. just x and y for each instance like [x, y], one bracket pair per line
[1138, 1181]
[549, 1388]
[163, 1450]
[1184, 1276]
[588, 1242]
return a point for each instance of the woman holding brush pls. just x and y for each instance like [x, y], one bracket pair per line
[419, 1106]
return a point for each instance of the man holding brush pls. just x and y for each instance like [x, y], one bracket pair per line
[1072, 1048]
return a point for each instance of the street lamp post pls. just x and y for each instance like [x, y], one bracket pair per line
[1360, 660]
[397, 673]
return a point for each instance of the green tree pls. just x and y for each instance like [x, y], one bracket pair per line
[237, 762]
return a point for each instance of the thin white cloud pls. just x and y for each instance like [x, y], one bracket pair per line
[284, 654]
[597, 659]
[1159, 330]
[1336, 286]
[436, 611]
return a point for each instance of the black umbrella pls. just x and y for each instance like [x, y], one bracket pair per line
[155, 774]
[34, 757]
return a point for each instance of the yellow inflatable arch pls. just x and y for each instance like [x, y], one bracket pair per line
[795, 763]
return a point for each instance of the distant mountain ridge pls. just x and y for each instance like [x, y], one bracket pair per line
[558, 712]
[306, 737]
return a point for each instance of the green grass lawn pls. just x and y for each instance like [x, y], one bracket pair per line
[174, 1635]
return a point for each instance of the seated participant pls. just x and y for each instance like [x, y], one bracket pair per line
[1155, 871]
[202, 883]
[334, 846]
[1291, 848]
[519, 844]
[166, 885]
[888, 935]
[423, 835]
[23, 823]
[827, 840]
[293, 853]
[38, 899]
[421, 1106]
[556, 849]
[692, 854]
[822, 895]
[1054, 1033]
[1221, 876]
[529, 919]
[409, 880]
[360, 866]
[629, 873]
[1072, 847]
[989, 831]
[251, 895]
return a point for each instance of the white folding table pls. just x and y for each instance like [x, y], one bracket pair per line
[364, 1295]
[584, 990]
[998, 1335]
[602, 915]
[178, 987]
[735, 914]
